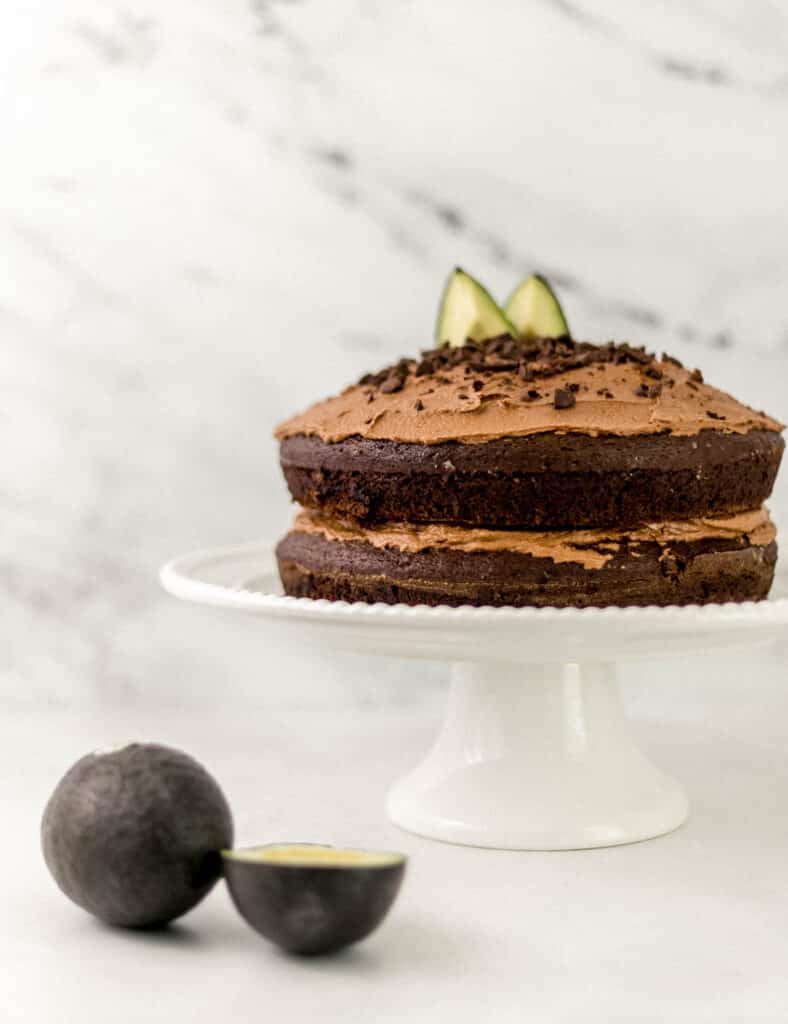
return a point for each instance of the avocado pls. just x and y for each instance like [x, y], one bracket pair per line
[133, 835]
[468, 312]
[309, 898]
[535, 311]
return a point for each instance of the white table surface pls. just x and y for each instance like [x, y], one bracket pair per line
[688, 927]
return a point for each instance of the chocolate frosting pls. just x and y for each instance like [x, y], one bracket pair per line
[475, 403]
[590, 548]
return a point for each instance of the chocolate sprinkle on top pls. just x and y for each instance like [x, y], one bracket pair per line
[532, 358]
[563, 398]
[392, 383]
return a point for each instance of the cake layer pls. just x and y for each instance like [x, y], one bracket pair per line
[540, 433]
[563, 481]
[729, 558]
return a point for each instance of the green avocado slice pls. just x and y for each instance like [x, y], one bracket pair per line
[468, 312]
[535, 311]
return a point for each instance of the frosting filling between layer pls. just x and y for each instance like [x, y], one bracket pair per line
[592, 549]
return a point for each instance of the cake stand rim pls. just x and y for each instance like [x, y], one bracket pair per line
[180, 577]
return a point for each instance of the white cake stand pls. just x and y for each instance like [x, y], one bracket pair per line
[535, 752]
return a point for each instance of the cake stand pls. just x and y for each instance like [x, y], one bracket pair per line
[535, 752]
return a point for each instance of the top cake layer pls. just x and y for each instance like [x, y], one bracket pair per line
[507, 388]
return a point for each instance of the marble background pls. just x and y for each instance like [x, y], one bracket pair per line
[213, 212]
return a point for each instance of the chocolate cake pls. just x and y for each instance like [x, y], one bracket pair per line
[531, 471]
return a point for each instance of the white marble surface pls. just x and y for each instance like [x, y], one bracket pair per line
[211, 213]
[189, 190]
[687, 928]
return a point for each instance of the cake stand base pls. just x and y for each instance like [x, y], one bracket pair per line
[536, 757]
[535, 752]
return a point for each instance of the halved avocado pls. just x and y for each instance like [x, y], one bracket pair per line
[309, 898]
[468, 312]
[534, 310]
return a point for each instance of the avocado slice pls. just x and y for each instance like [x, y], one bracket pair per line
[133, 835]
[468, 312]
[309, 898]
[535, 311]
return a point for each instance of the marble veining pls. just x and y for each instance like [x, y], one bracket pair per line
[189, 189]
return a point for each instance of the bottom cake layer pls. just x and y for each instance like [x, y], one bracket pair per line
[699, 561]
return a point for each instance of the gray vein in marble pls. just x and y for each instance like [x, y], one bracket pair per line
[576, 13]
[45, 249]
[131, 41]
[267, 14]
[682, 67]
[336, 157]
[708, 74]
[451, 219]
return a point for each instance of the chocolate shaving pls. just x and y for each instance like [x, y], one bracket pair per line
[500, 364]
[563, 398]
[418, 405]
[533, 359]
[697, 376]
[392, 383]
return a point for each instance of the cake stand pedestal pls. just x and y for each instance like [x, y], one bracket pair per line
[535, 752]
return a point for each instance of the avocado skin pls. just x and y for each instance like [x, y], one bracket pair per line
[312, 910]
[133, 836]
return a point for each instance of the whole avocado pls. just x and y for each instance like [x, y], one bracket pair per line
[134, 835]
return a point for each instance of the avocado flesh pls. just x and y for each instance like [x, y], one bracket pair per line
[133, 835]
[468, 313]
[313, 856]
[534, 310]
[312, 899]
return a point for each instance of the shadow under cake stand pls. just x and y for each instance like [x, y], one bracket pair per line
[535, 752]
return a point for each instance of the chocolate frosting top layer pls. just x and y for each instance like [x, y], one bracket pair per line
[590, 548]
[507, 387]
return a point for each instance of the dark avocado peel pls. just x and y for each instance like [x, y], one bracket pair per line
[133, 835]
[309, 898]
